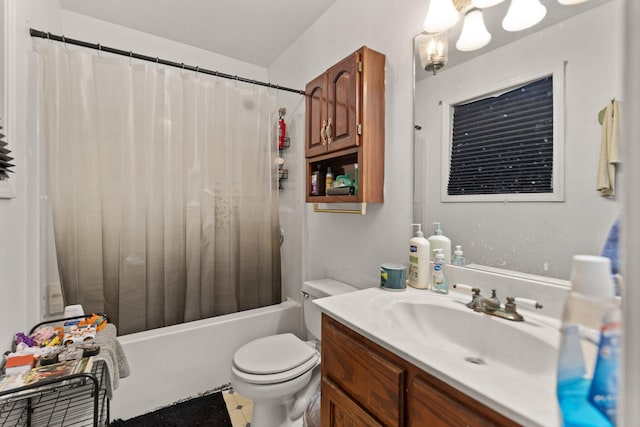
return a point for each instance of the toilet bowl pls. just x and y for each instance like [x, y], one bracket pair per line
[280, 373]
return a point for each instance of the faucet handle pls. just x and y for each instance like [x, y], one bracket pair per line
[463, 287]
[527, 302]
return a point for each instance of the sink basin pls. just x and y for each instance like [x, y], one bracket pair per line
[476, 337]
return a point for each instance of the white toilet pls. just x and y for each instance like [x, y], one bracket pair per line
[280, 373]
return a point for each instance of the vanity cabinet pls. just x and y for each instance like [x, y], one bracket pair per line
[345, 109]
[364, 384]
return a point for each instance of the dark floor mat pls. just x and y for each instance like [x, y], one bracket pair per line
[209, 410]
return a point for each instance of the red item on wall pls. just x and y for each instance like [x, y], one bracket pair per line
[282, 128]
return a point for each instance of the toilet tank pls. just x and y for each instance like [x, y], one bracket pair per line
[319, 289]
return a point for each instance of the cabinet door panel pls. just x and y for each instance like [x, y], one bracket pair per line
[316, 115]
[337, 410]
[343, 80]
[371, 380]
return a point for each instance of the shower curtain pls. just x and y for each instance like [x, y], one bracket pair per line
[163, 188]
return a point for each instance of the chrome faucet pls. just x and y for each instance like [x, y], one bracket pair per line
[493, 306]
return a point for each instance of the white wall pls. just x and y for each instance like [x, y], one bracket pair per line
[548, 234]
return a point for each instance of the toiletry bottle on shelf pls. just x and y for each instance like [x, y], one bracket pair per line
[419, 255]
[440, 241]
[355, 180]
[328, 180]
[439, 281]
[458, 256]
[589, 353]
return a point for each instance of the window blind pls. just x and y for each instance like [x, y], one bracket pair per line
[5, 159]
[504, 144]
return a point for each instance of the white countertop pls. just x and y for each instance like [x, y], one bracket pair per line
[527, 396]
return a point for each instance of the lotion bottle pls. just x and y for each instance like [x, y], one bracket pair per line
[440, 241]
[419, 254]
[439, 281]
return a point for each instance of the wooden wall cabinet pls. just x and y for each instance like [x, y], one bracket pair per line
[345, 126]
[364, 384]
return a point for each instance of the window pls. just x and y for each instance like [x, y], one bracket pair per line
[506, 145]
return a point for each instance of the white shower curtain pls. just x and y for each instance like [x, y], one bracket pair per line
[163, 188]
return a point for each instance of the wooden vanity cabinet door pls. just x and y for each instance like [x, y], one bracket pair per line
[338, 410]
[316, 115]
[372, 381]
[435, 404]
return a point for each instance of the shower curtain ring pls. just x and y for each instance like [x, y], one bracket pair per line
[197, 69]
[64, 42]
[130, 57]
[99, 49]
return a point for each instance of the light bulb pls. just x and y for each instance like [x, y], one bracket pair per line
[474, 33]
[483, 4]
[523, 14]
[441, 16]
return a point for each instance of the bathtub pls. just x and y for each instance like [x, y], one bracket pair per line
[177, 362]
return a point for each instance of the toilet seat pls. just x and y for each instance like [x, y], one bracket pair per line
[274, 359]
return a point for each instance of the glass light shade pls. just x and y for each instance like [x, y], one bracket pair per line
[434, 52]
[570, 2]
[483, 4]
[523, 14]
[474, 33]
[441, 16]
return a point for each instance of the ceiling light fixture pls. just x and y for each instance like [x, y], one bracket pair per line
[444, 14]
[482, 4]
[441, 16]
[523, 14]
[474, 33]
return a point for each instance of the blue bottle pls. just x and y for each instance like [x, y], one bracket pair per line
[588, 358]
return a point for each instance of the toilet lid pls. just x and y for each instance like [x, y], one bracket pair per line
[273, 354]
[278, 377]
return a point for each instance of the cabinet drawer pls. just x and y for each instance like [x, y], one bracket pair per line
[373, 381]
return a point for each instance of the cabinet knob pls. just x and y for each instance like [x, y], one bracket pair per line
[329, 132]
[323, 132]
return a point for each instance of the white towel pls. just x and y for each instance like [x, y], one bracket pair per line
[606, 181]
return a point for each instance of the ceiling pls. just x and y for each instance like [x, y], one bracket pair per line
[254, 31]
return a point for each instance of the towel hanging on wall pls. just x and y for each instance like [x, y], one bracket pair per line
[606, 179]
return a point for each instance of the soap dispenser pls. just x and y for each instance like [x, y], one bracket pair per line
[458, 256]
[419, 255]
[440, 241]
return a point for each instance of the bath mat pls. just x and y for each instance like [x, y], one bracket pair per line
[207, 410]
[239, 407]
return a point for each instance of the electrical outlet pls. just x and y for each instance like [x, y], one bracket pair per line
[55, 300]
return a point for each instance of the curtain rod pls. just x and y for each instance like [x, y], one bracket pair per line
[130, 54]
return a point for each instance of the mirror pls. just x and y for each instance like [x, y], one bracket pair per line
[585, 42]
